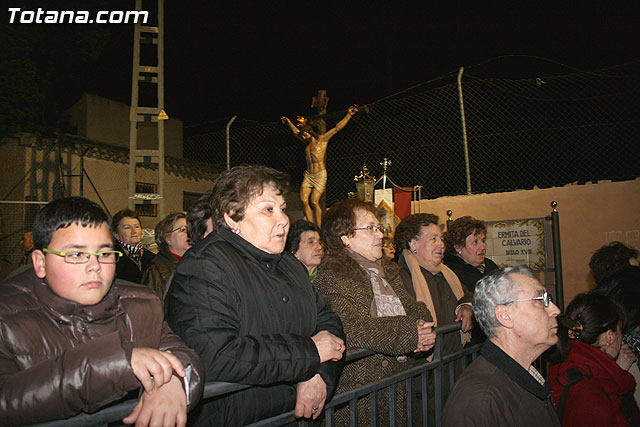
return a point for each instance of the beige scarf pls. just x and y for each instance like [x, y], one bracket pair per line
[422, 289]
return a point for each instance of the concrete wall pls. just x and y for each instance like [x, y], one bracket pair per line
[103, 120]
[48, 181]
[591, 215]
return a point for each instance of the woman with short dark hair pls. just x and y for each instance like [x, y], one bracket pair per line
[466, 251]
[303, 241]
[247, 307]
[465, 255]
[419, 239]
[127, 233]
[610, 258]
[367, 292]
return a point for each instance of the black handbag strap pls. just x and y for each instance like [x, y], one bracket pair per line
[574, 376]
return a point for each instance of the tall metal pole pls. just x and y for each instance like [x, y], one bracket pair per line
[161, 108]
[557, 255]
[229, 142]
[133, 129]
[464, 131]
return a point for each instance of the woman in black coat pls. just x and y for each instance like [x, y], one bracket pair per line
[127, 234]
[249, 310]
[466, 256]
[466, 251]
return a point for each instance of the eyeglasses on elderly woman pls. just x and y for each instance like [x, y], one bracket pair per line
[373, 228]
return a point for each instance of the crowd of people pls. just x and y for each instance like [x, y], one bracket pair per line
[236, 293]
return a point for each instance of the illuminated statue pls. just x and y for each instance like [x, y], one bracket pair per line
[315, 177]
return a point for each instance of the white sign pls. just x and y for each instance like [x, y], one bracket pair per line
[517, 242]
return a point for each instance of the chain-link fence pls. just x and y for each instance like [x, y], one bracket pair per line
[521, 134]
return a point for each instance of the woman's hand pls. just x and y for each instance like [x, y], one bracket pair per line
[329, 346]
[311, 397]
[426, 336]
[625, 357]
[465, 313]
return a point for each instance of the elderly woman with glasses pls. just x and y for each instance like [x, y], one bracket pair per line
[247, 307]
[367, 292]
[173, 242]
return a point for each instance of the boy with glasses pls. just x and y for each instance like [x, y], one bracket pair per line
[74, 340]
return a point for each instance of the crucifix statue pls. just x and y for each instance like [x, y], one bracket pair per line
[315, 177]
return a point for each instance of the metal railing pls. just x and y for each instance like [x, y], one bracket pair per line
[439, 366]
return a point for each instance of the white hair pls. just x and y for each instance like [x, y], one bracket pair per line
[491, 291]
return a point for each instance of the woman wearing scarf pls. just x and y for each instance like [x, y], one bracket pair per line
[420, 242]
[127, 233]
[377, 313]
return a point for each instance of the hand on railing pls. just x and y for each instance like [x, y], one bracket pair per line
[215, 388]
[329, 346]
[465, 314]
[426, 336]
[154, 367]
[311, 397]
[166, 406]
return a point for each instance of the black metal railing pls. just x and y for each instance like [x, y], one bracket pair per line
[439, 366]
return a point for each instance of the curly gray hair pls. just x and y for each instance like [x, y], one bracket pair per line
[491, 291]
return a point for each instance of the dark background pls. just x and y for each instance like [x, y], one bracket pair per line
[262, 60]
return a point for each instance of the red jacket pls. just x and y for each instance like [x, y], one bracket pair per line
[596, 399]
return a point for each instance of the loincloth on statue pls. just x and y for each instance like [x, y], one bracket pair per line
[315, 180]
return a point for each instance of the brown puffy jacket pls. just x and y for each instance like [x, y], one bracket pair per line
[58, 358]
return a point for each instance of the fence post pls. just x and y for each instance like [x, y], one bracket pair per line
[449, 220]
[437, 379]
[228, 143]
[557, 255]
[464, 131]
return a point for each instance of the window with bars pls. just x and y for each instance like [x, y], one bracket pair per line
[147, 208]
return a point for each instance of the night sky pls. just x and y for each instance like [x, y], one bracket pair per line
[262, 60]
